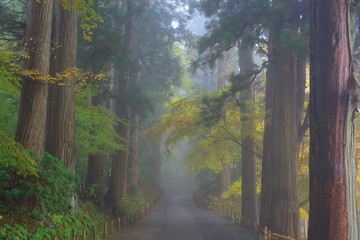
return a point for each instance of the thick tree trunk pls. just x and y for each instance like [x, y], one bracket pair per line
[279, 198]
[248, 169]
[61, 129]
[30, 130]
[284, 216]
[332, 113]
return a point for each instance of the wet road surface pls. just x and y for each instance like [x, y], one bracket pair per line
[176, 217]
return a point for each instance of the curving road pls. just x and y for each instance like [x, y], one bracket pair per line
[176, 217]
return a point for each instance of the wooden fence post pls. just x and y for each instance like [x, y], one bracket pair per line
[266, 233]
[94, 233]
[253, 228]
[118, 224]
[105, 227]
[84, 234]
[111, 226]
[269, 235]
[74, 235]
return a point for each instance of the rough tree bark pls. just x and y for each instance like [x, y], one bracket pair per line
[332, 113]
[118, 179]
[133, 158]
[95, 172]
[223, 177]
[248, 160]
[30, 130]
[61, 128]
[279, 197]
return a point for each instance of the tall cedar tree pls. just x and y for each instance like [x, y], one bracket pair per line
[281, 21]
[30, 130]
[223, 177]
[104, 47]
[60, 137]
[285, 86]
[95, 171]
[118, 179]
[332, 113]
[134, 133]
[134, 154]
[248, 160]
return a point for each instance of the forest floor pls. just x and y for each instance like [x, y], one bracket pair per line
[175, 217]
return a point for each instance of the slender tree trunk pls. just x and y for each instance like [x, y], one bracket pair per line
[302, 113]
[117, 186]
[134, 150]
[61, 138]
[248, 169]
[332, 115]
[156, 177]
[95, 178]
[30, 130]
[95, 172]
[266, 184]
[224, 177]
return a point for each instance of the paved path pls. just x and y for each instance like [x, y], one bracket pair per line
[176, 217]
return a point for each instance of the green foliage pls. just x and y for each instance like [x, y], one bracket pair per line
[275, 23]
[89, 19]
[61, 225]
[16, 231]
[15, 158]
[15, 14]
[47, 190]
[53, 187]
[213, 144]
[156, 59]
[95, 133]
[291, 38]
[229, 203]
[234, 190]
[211, 153]
[9, 88]
[134, 202]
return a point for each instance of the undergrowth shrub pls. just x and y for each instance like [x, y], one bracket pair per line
[62, 225]
[47, 190]
[134, 201]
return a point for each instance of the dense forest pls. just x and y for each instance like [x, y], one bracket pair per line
[109, 105]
